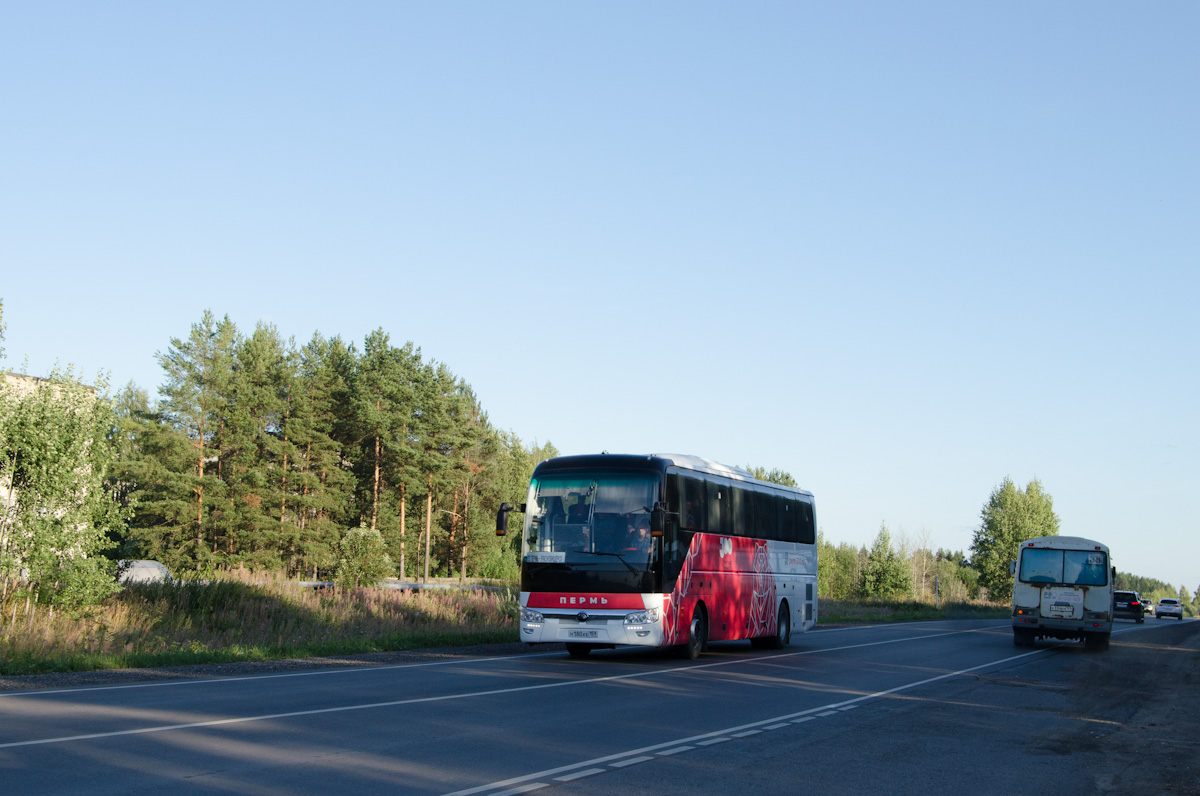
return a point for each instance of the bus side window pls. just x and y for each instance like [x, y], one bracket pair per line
[766, 516]
[807, 529]
[789, 519]
[740, 513]
[718, 507]
[674, 496]
[695, 512]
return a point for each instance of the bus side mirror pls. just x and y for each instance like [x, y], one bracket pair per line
[1012, 567]
[502, 517]
[658, 519]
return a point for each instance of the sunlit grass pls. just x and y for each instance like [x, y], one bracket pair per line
[846, 611]
[248, 618]
[251, 617]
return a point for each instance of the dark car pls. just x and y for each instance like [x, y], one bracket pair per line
[1128, 605]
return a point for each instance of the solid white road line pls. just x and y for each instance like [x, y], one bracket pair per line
[448, 697]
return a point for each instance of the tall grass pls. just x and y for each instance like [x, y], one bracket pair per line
[247, 618]
[848, 611]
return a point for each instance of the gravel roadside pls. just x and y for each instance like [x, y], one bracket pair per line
[1145, 702]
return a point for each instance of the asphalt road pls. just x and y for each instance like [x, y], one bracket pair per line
[909, 708]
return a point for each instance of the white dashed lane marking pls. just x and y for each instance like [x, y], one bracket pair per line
[645, 754]
[587, 772]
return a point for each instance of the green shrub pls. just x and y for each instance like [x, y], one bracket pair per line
[364, 560]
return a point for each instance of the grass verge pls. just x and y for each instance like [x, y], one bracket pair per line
[191, 622]
[245, 618]
[836, 612]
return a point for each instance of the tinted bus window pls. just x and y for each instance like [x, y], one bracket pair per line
[694, 510]
[674, 498]
[808, 528]
[789, 520]
[766, 516]
[718, 506]
[741, 511]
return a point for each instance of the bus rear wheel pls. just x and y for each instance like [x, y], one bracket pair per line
[783, 629]
[1097, 642]
[697, 634]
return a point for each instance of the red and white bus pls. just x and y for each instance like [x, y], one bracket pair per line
[663, 550]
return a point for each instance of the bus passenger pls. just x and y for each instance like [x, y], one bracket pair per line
[578, 512]
[639, 537]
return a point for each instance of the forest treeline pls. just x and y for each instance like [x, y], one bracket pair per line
[895, 567]
[264, 454]
[321, 460]
[899, 567]
[335, 460]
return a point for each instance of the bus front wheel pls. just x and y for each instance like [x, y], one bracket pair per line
[697, 634]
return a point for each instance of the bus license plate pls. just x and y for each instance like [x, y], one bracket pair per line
[583, 633]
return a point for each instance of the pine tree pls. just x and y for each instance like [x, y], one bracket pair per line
[253, 456]
[323, 486]
[885, 574]
[133, 418]
[192, 403]
[443, 440]
[472, 437]
[384, 396]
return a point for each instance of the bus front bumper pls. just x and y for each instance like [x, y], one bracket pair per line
[601, 630]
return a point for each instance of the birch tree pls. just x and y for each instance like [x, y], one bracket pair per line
[1010, 516]
[55, 455]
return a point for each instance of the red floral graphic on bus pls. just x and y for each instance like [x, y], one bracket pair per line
[674, 622]
[762, 605]
[734, 579]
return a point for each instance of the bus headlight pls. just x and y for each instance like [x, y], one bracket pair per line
[649, 616]
[528, 615]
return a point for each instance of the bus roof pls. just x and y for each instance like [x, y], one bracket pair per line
[656, 461]
[1065, 543]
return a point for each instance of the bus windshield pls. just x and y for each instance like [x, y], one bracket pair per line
[1066, 567]
[602, 514]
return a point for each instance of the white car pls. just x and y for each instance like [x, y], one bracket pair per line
[142, 571]
[1168, 607]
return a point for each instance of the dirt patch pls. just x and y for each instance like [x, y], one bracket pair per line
[1152, 682]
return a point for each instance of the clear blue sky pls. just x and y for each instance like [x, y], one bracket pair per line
[901, 250]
